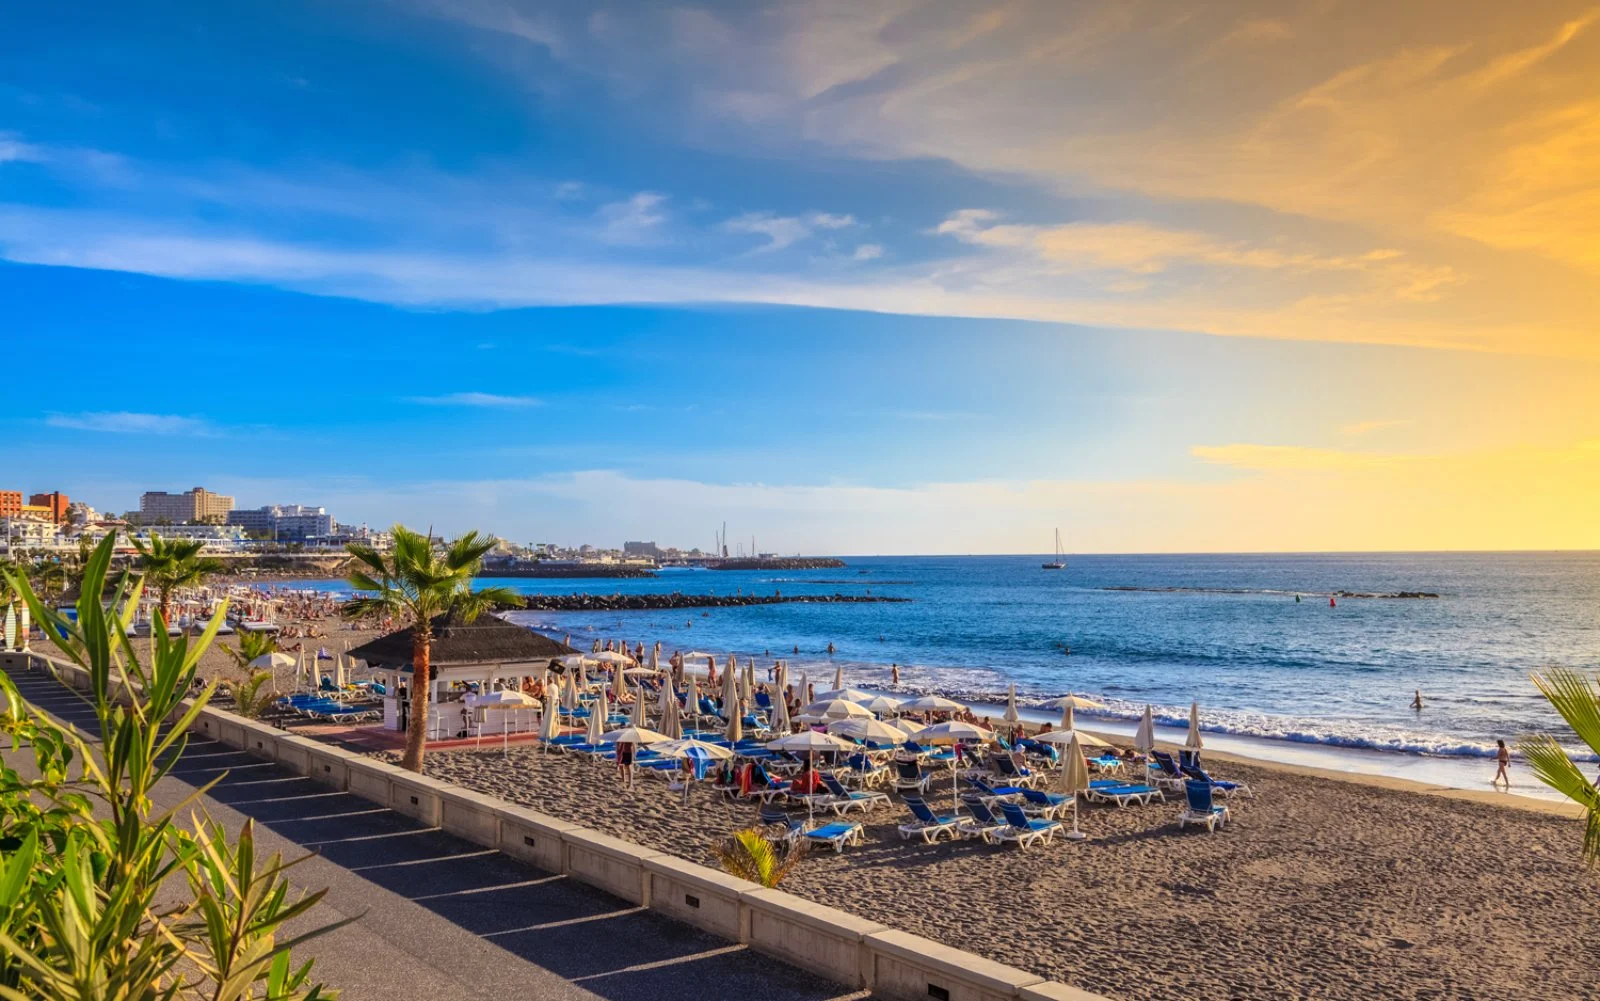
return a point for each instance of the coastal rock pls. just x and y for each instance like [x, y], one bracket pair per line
[644, 602]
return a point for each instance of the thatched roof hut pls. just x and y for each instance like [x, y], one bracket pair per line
[476, 649]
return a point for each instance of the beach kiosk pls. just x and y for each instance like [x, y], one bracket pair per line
[485, 650]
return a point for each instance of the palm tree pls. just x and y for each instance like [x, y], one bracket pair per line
[748, 854]
[417, 581]
[1578, 701]
[168, 564]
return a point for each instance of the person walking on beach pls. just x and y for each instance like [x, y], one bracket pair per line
[625, 763]
[1502, 757]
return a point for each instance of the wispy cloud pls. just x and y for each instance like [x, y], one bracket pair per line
[492, 400]
[126, 422]
[1368, 427]
[635, 220]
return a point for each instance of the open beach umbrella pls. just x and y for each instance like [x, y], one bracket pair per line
[932, 704]
[505, 697]
[879, 704]
[868, 729]
[952, 732]
[1076, 702]
[1193, 740]
[848, 694]
[611, 657]
[1068, 735]
[809, 743]
[698, 750]
[1075, 781]
[832, 709]
[640, 672]
[1144, 738]
[730, 704]
[634, 735]
[273, 661]
[906, 726]
[1011, 716]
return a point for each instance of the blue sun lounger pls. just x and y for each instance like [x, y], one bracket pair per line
[1124, 793]
[1199, 808]
[1222, 787]
[983, 823]
[841, 799]
[927, 823]
[835, 835]
[992, 795]
[1023, 829]
[1038, 803]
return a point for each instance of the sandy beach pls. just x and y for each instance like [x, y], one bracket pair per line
[1320, 888]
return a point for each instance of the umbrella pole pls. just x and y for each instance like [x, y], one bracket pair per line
[1076, 834]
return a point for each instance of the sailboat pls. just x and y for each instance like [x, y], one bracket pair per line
[1060, 562]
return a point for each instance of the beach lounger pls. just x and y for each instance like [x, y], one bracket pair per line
[836, 835]
[1199, 808]
[1037, 803]
[1124, 793]
[1008, 770]
[983, 822]
[842, 800]
[1222, 787]
[866, 771]
[1164, 771]
[1107, 763]
[910, 778]
[992, 795]
[927, 823]
[1024, 830]
[778, 826]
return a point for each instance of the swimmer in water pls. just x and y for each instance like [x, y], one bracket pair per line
[830, 647]
[894, 674]
[1416, 703]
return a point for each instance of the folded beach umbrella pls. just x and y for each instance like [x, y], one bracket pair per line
[339, 678]
[299, 669]
[670, 724]
[731, 708]
[780, 703]
[691, 698]
[638, 707]
[569, 692]
[549, 722]
[1145, 737]
[932, 704]
[838, 677]
[597, 723]
[1011, 716]
[1193, 740]
[669, 697]
[1075, 780]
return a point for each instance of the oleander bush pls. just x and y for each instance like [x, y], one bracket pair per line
[103, 894]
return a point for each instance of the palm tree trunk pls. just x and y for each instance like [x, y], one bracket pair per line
[421, 675]
[166, 608]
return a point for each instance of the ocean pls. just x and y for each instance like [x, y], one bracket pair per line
[1164, 630]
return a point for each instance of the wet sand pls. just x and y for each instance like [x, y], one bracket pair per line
[1321, 887]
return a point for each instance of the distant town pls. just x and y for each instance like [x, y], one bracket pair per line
[53, 523]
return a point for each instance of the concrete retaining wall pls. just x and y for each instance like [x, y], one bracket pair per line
[841, 947]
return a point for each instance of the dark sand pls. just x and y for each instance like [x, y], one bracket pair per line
[1320, 888]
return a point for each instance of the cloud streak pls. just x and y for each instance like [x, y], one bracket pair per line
[474, 399]
[125, 422]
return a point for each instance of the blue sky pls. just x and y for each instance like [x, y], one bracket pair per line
[853, 278]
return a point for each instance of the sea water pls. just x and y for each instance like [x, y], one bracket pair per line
[1226, 630]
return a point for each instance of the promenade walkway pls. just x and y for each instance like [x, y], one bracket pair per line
[447, 920]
